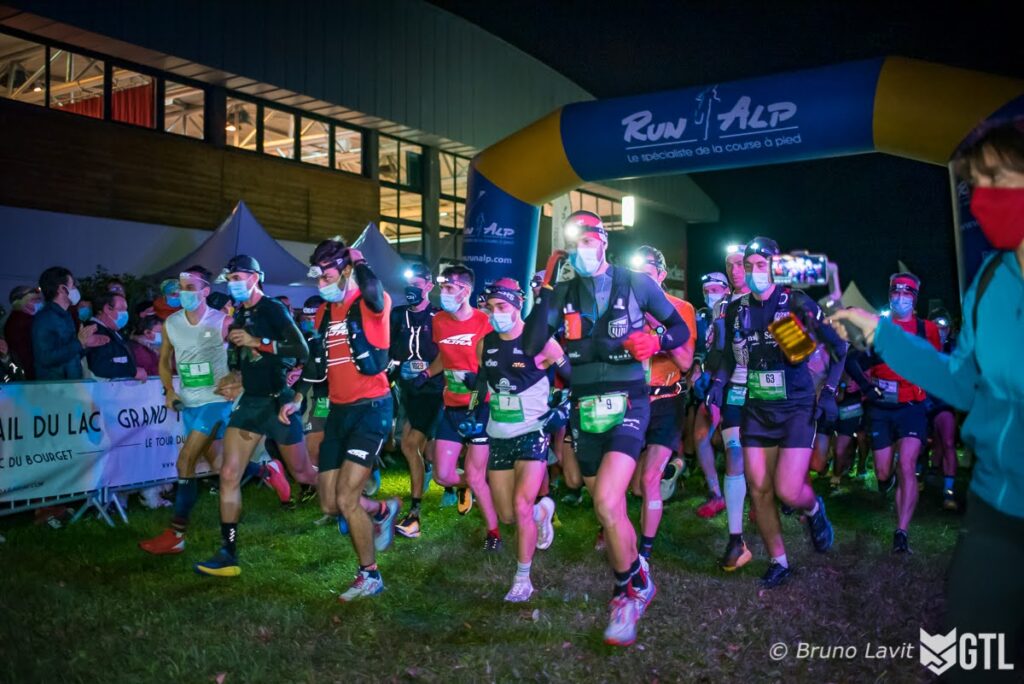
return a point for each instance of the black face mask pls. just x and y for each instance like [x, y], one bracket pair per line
[413, 295]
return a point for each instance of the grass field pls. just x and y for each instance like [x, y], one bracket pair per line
[85, 604]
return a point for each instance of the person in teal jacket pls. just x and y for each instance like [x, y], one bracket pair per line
[984, 376]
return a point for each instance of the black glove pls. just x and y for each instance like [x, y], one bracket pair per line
[469, 380]
[716, 394]
[420, 380]
[827, 404]
[874, 393]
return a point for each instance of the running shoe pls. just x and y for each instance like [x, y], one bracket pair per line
[222, 564]
[273, 474]
[384, 530]
[308, 494]
[166, 543]
[775, 575]
[900, 542]
[492, 543]
[543, 513]
[621, 629]
[573, 498]
[428, 475]
[449, 498]
[736, 555]
[363, 586]
[949, 501]
[712, 507]
[522, 589]
[465, 500]
[342, 524]
[325, 520]
[599, 543]
[886, 486]
[373, 484]
[822, 534]
[289, 505]
[649, 591]
[409, 527]
[670, 480]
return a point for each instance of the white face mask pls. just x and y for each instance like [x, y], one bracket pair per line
[712, 299]
[587, 260]
[502, 321]
[74, 296]
[759, 282]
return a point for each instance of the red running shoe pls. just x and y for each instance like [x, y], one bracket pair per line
[273, 475]
[712, 507]
[166, 543]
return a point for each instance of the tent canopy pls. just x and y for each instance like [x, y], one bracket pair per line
[386, 263]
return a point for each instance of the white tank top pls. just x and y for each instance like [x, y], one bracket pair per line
[201, 357]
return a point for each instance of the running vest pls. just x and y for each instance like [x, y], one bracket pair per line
[739, 347]
[600, 341]
[519, 389]
[201, 357]
[412, 343]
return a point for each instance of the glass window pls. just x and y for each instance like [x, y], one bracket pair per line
[315, 136]
[410, 206]
[183, 111]
[461, 176]
[76, 83]
[240, 124]
[388, 159]
[22, 70]
[604, 208]
[411, 159]
[133, 98]
[460, 215]
[278, 133]
[446, 213]
[388, 202]
[589, 202]
[549, 210]
[389, 231]
[348, 150]
[410, 240]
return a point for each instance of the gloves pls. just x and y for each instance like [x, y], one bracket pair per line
[701, 386]
[827, 404]
[554, 265]
[469, 380]
[642, 346]
[715, 395]
[874, 393]
[420, 380]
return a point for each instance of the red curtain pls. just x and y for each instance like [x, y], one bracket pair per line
[131, 105]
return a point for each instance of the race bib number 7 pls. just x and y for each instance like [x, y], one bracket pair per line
[506, 408]
[602, 412]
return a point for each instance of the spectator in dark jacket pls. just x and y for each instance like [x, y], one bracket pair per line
[26, 301]
[112, 358]
[57, 347]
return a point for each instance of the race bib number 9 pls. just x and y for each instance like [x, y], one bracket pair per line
[196, 375]
[602, 412]
[766, 385]
[506, 408]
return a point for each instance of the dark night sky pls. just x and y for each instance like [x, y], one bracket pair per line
[865, 211]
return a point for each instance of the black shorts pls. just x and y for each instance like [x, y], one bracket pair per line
[452, 417]
[356, 433]
[786, 427]
[422, 409]
[851, 418]
[259, 415]
[666, 424]
[627, 437]
[732, 414]
[892, 422]
[312, 422]
[533, 446]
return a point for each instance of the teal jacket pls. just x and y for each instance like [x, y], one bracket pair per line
[984, 376]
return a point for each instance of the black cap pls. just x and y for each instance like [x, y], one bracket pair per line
[764, 246]
[20, 291]
[217, 300]
[243, 263]
[311, 305]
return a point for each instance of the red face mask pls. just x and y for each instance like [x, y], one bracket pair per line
[1000, 212]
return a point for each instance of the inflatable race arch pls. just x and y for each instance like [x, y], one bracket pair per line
[905, 107]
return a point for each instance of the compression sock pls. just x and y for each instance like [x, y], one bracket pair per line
[622, 579]
[523, 569]
[735, 493]
[184, 502]
[646, 546]
[229, 536]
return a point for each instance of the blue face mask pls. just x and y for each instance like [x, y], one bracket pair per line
[173, 301]
[332, 292]
[158, 339]
[759, 282]
[84, 313]
[36, 308]
[901, 305]
[451, 303]
[587, 260]
[502, 322]
[122, 319]
[239, 290]
[190, 300]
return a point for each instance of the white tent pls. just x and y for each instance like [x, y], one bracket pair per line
[852, 297]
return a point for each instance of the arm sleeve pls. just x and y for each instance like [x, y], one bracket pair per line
[837, 346]
[291, 343]
[653, 301]
[854, 370]
[377, 323]
[724, 370]
[370, 287]
[543, 321]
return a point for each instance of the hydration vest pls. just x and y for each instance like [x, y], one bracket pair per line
[369, 359]
[601, 340]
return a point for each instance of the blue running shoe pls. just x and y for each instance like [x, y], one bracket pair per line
[449, 498]
[223, 564]
[822, 534]
[428, 475]
[373, 486]
[342, 524]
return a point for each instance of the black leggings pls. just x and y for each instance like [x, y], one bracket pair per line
[985, 586]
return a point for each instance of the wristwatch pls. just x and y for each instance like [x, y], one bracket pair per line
[265, 340]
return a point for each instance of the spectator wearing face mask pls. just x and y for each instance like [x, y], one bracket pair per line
[26, 302]
[169, 300]
[58, 345]
[112, 358]
[145, 344]
[117, 286]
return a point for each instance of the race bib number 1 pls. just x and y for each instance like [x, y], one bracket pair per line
[506, 408]
[767, 385]
[602, 412]
[196, 375]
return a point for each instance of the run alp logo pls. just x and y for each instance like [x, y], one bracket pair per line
[939, 652]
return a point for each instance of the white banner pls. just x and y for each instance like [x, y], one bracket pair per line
[61, 438]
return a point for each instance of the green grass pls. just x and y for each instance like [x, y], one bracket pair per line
[85, 604]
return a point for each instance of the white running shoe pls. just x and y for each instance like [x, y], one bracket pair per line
[621, 630]
[669, 484]
[522, 590]
[362, 587]
[647, 594]
[543, 514]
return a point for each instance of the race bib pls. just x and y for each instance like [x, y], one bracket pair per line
[196, 374]
[767, 385]
[737, 396]
[507, 408]
[602, 412]
[322, 407]
[890, 391]
[851, 411]
[455, 383]
[412, 368]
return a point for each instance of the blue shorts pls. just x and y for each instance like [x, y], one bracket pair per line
[452, 417]
[206, 417]
[786, 427]
[892, 422]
